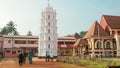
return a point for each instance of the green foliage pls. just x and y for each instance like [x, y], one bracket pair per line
[29, 33]
[9, 29]
[89, 63]
[82, 33]
[76, 35]
[3, 31]
[1, 58]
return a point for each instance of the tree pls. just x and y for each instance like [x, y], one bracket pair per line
[69, 35]
[9, 29]
[76, 35]
[29, 33]
[82, 33]
[3, 31]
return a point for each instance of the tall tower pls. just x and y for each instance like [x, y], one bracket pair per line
[48, 32]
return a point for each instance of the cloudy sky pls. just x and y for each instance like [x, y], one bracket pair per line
[72, 15]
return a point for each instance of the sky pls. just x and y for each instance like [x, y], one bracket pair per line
[72, 15]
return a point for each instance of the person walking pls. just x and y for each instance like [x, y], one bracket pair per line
[24, 59]
[20, 57]
[51, 56]
[30, 57]
[47, 56]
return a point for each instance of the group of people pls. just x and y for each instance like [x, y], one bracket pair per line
[22, 58]
[49, 55]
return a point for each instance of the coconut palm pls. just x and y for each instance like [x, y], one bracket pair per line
[9, 29]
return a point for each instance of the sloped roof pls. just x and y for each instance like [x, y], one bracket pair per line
[93, 31]
[112, 21]
[65, 38]
[80, 41]
[37, 37]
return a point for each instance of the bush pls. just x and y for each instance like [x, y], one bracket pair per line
[1, 58]
[90, 63]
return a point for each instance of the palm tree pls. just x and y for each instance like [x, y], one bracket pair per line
[9, 29]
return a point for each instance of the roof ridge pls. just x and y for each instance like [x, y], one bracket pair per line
[93, 31]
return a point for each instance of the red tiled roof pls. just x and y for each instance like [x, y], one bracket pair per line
[93, 31]
[36, 37]
[80, 41]
[112, 21]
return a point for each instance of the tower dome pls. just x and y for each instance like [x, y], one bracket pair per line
[49, 8]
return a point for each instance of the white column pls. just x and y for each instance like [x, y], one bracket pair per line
[117, 43]
[92, 54]
[102, 43]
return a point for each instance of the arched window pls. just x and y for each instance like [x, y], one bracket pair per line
[48, 23]
[49, 46]
[98, 44]
[49, 38]
[48, 16]
[49, 31]
[107, 44]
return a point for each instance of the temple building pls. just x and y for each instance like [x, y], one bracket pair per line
[103, 39]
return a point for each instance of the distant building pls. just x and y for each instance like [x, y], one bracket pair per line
[1, 45]
[65, 46]
[11, 46]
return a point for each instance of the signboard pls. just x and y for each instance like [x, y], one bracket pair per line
[63, 45]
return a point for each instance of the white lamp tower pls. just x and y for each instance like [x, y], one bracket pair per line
[48, 32]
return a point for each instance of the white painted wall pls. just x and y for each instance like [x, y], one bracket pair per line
[44, 36]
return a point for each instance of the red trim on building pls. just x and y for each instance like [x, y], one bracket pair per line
[65, 46]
